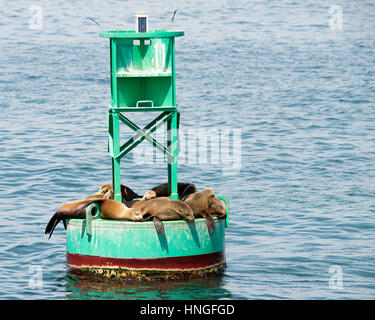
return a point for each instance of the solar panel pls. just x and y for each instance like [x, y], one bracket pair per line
[141, 22]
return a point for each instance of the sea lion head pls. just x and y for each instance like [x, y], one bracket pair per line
[216, 208]
[208, 192]
[104, 188]
[150, 194]
[203, 194]
[109, 194]
[136, 214]
[185, 212]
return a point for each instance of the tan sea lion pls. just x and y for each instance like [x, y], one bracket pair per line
[199, 203]
[183, 190]
[163, 208]
[115, 210]
[70, 210]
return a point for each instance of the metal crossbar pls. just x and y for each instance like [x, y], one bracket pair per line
[144, 134]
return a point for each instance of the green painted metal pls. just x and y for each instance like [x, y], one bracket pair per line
[140, 136]
[142, 109]
[227, 209]
[110, 238]
[143, 134]
[139, 35]
[92, 212]
[143, 80]
[94, 236]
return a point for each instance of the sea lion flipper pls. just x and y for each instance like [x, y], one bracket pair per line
[158, 225]
[64, 222]
[61, 214]
[190, 189]
[210, 223]
[53, 228]
[128, 194]
[52, 224]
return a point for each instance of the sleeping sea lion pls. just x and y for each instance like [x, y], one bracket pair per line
[127, 194]
[163, 208]
[109, 209]
[199, 203]
[216, 208]
[183, 190]
[70, 210]
[115, 210]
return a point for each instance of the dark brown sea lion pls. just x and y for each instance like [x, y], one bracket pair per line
[183, 189]
[70, 210]
[199, 202]
[127, 194]
[163, 208]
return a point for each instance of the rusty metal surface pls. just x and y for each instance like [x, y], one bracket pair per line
[153, 275]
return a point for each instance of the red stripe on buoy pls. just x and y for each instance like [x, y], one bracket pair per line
[171, 263]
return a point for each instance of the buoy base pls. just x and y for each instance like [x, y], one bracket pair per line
[186, 267]
[152, 275]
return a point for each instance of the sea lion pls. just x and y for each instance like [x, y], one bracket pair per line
[163, 208]
[70, 210]
[183, 189]
[216, 208]
[109, 209]
[199, 202]
[115, 210]
[127, 194]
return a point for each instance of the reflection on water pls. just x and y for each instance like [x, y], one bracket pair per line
[81, 285]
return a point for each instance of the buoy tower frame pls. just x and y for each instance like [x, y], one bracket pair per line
[143, 80]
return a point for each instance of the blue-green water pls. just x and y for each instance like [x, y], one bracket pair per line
[300, 90]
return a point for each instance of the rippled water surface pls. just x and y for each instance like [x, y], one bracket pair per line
[301, 92]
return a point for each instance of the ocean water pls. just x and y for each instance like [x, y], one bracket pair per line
[295, 78]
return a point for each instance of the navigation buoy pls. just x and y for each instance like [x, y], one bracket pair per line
[143, 80]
